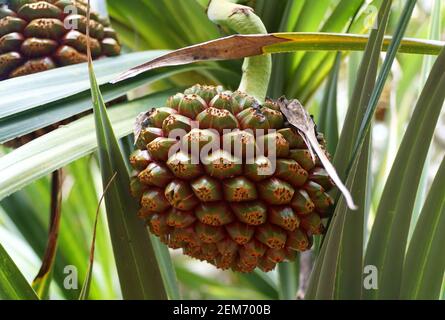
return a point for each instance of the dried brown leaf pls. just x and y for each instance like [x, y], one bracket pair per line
[140, 124]
[242, 46]
[232, 47]
[298, 117]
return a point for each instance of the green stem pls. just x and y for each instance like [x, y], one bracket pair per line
[242, 19]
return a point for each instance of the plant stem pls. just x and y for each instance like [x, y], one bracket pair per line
[242, 19]
[42, 281]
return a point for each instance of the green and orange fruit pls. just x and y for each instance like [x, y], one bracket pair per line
[228, 206]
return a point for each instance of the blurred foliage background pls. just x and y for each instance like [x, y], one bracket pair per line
[168, 24]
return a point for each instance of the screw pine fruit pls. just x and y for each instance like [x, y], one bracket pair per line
[204, 190]
[41, 35]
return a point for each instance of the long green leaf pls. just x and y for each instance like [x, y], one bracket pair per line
[434, 33]
[280, 62]
[182, 23]
[260, 282]
[63, 82]
[139, 273]
[13, 285]
[338, 21]
[138, 270]
[425, 262]
[270, 13]
[167, 269]
[348, 233]
[309, 19]
[28, 209]
[53, 112]
[345, 17]
[327, 123]
[131, 15]
[341, 267]
[64, 145]
[80, 208]
[288, 280]
[350, 265]
[161, 250]
[197, 285]
[363, 134]
[386, 68]
[386, 247]
[328, 119]
[345, 42]
[337, 255]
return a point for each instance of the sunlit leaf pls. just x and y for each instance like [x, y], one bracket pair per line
[341, 252]
[425, 264]
[138, 269]
[64, 145]
[13, 286]
[386, 247]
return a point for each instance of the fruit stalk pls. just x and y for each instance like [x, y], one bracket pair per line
[242, 19]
